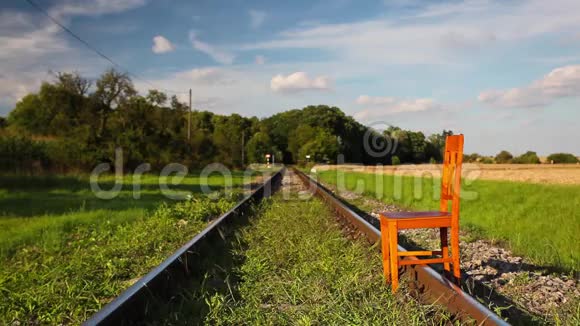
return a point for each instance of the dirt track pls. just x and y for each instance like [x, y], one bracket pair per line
[533, 173]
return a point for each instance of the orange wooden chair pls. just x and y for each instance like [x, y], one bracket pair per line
[392, 222]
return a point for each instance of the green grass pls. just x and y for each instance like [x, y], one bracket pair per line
[33, 208]
[25, 196]
[64, 253]
[298, 268]
[534, 220]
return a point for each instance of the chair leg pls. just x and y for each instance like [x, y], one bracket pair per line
[455, 254]
[444, 248]
[385, 249]
[393, 250]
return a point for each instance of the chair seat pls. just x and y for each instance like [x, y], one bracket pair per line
[418, 220]
[424, 214]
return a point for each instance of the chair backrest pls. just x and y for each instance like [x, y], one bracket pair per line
[451, 176]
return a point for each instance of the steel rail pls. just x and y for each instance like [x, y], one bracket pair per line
[134, 304]
[433, 287]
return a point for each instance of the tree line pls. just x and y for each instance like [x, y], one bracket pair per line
[529, 157]
[73, 124]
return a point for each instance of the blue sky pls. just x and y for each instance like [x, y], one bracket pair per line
[505, 73]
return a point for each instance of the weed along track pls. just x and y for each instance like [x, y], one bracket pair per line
[299, 268]
[155, 296]
[291, 262]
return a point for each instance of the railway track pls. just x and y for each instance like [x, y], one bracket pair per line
[137, 304]
[431, 286]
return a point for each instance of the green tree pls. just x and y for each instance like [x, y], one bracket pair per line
[411, 146]
[471, 158]
[258, 146]
[487, 160]
[528, 157]
[30, 115]
[113, 90]
[73, 83]
[323, 148]
[562, 158]
[418, 146]
[504, 157]
[395, 160]
[227, 136]
[436, 145]
[297, 138]
[156, 97]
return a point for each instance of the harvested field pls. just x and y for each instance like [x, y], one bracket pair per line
[532, 173]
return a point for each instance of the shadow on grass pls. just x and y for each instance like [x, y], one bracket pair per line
[72, 182]
[43, 203]
[214, 272]
[496, 302]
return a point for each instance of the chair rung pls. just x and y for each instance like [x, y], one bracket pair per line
[419, 253]
[424, 261]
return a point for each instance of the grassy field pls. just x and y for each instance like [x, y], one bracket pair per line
[539, 221]
[297, 267]
[65, 253]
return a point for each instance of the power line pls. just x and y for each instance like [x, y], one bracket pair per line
[94, 49]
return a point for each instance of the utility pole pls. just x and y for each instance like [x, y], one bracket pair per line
[243, 136]
[189, 119]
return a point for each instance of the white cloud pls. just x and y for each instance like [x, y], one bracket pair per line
[257, 18]
[260, 60]
[32, 45]
[434, 34]
[205, 76]
[95, 7]
[559, 83]
[376, 106]
[223, 89]
[161, 45]
[298, 81]
[455, 8]
[219, 55]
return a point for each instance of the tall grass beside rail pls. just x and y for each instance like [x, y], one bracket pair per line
[68, 273]
[64, 253]
[37, 207]
[538, 221]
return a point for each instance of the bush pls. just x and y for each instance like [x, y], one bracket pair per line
[528, 158]
[471, 158]
[69, 154]
[562, 158]
[196, 209]
[432, 161]
[22, 154]
[487, 160]
[395, 160]
[504, 157]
